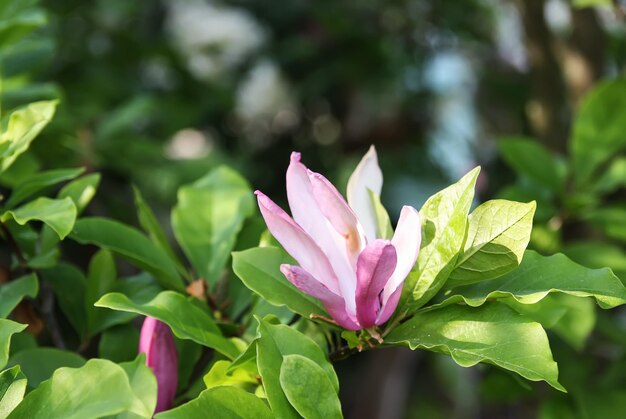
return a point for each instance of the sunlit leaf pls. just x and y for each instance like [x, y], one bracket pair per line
[538, 276]
[493, 333]
[24, 125]
[223, 403]
[58, 214]
[444, 224]
[99, 388]
[497, 236]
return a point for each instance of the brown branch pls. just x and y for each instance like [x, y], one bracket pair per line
[546, 109]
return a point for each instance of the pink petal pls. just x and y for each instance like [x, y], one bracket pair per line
[157, 342]
[366, 176]
[338, 213]
[334, 304]
[309, 216]
[389, 306]
[406, 240]
[297, 242]
[375, 265]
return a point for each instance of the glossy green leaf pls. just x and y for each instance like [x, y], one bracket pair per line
[538, 276]
[40, 181]
[207, 218]
[13, 292]
[186, 320]
[144, 386]
[150, 224]
[81, 191]
[444, 224]
[258, 269]
[7, 329]
[24, 125]
[12, 389]
[275, 342]
[222, 403]
[383, 224]
[58, 214]
[131, 244]
[497, 236]
[308, 388]
[99, 388]
[493, 333]
[599, 126]
[39, 363]
[533, 161]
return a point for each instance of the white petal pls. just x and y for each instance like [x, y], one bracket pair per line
[366, 176]
[406, 239]
[306, 212]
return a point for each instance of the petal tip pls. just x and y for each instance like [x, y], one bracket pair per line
[295, 156]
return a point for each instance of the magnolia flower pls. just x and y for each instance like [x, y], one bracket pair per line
[157, 342]
[356, 275]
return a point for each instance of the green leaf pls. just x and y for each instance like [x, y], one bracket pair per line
[58, 214]
[12, 390]
[149, 223]
[538, 276]
[185, 319]
[610, 219]
[222, 403]
[220, 375]
[598, 132]
[570, 317]
[99, 388]
[24, 125]
[68, 283]
[308, 388]
[40, 181]
[101, 278]
[13, 292]
[493, 334]
[7, 329]
[207, 218]
[131, 244]
[534, 162]
[275, 342]
[38, 364]
[81, 191]
[258, 269]
[144, 386]
[597, 254]
[383, 224]
[497, 236]
[592, 3]
[444, 225]
[119, 343]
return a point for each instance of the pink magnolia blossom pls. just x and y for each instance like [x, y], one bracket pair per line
[157, 342]
[356, 275]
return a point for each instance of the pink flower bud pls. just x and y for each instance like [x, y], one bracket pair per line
[157, 342]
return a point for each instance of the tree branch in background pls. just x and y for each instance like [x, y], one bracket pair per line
[545, 109]
[583, 57]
